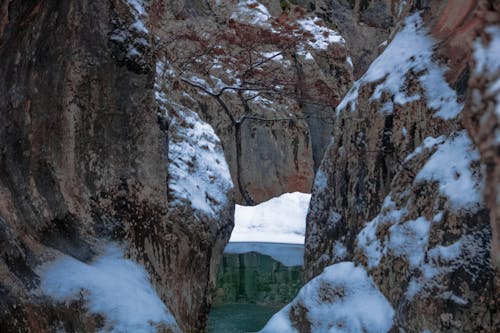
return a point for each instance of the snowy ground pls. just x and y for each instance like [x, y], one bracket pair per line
[275, 228]
[279, 220]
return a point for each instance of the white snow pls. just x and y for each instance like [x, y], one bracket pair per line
[197, 167]
[135, 34]
[320, 181]
[251, 12]
[138, 6]
[117, 288]
[276, 56]
[287, 254]
[368, 241]
[280, 323]
[410, 50]
[349, 61]
[410, 240]
[429, 143]
[339, 251]
[139, 26]
[450, 166]
[487, 57]
[341, 299]
[278, 220]
[487, 62]
[322, 36]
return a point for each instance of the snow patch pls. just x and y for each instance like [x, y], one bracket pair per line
[134, 37]
[322, 36]
[117, 288]
[252, 12]
[368, 239]
[341, 299]
[278, 220]
[197, 167]
[411, 50]
[410, 240]
[450, 166]
[487, 62]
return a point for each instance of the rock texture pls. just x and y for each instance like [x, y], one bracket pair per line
[482, 113]
[400, 190]
[365, 24]
[83, 161]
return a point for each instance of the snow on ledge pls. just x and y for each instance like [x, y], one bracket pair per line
[279, 220]
[115, 287]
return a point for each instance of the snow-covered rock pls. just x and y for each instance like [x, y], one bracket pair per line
[119, 289]
[343, 298]
[400, 189]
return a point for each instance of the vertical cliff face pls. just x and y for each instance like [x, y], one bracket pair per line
[400, 190]
[83, 162]
[365, 24]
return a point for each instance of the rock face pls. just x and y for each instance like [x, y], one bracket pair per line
[482, 114]
[84, 161]
[365, 24]
[400, 189]
[272, 109]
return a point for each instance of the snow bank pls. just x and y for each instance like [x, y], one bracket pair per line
[117, 288]
[198, 172]
[279, 220]
[341, 299]
[411, 50]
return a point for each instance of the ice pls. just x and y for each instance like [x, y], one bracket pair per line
[287, 254]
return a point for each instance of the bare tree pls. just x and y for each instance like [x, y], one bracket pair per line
[250, 62]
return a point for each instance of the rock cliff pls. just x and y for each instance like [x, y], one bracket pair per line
[400, 190]
[84, 163]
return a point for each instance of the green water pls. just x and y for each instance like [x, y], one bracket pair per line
[239, 318]
[251, 288]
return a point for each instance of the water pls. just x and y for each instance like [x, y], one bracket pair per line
[252, 287]
[239, 318]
